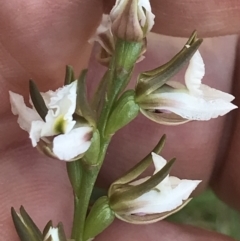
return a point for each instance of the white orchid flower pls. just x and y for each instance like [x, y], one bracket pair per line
[166, 196]
[59, 130]
[175, 103]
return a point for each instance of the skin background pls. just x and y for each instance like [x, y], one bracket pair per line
[37, 40]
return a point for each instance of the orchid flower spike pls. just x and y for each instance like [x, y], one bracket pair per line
[175, 103]
[166, 198]
[57, 134]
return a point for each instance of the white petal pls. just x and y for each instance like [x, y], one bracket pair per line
[209, 93]
[195, 73]
[25, 115]
[105, 24]
[193, 108]
[117, 9]
[53, 232]
[158, 161]
[163, 201]
[76, 142]
[61, 105]
[145, 14]
[63, 100]
[184, 188]
[35, 131]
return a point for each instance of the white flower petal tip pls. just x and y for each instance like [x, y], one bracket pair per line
[166, 198]
[104, 26]
[69, 146]
[174, 103]
[25, 115]
[58, 136]
[53, 233]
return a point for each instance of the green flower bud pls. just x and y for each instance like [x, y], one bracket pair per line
[99, 218]
[123, 112]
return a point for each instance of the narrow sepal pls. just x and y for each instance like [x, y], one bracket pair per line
[117, 200]
[150, 81]
[124, 111]
[47, 227]
[61, 233]
[82, 106]
[26, 228]
[99, 218]
[150, 218]
[69, 76]
[141, 166]
[37, 100]
[170, 119]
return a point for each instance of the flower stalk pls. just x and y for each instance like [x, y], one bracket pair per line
[118, 76]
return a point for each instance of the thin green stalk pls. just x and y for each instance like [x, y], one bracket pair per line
[118, 76]
[81, 200]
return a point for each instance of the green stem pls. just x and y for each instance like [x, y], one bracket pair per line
[83, 175]
[82, 197]
[81, 200]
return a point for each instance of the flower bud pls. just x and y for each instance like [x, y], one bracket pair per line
[99, 218]
[131, 19]
[123, 112]
[108, 42]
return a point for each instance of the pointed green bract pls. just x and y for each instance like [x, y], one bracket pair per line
[124, 111]
[26, 228]
[152, 80]
[61, 233]
[69, 76]
[37, 100]
[140, 167]
[134, 192]
[83, 108]
[47, 227]
[99, 218]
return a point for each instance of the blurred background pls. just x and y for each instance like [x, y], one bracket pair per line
[208, 212]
